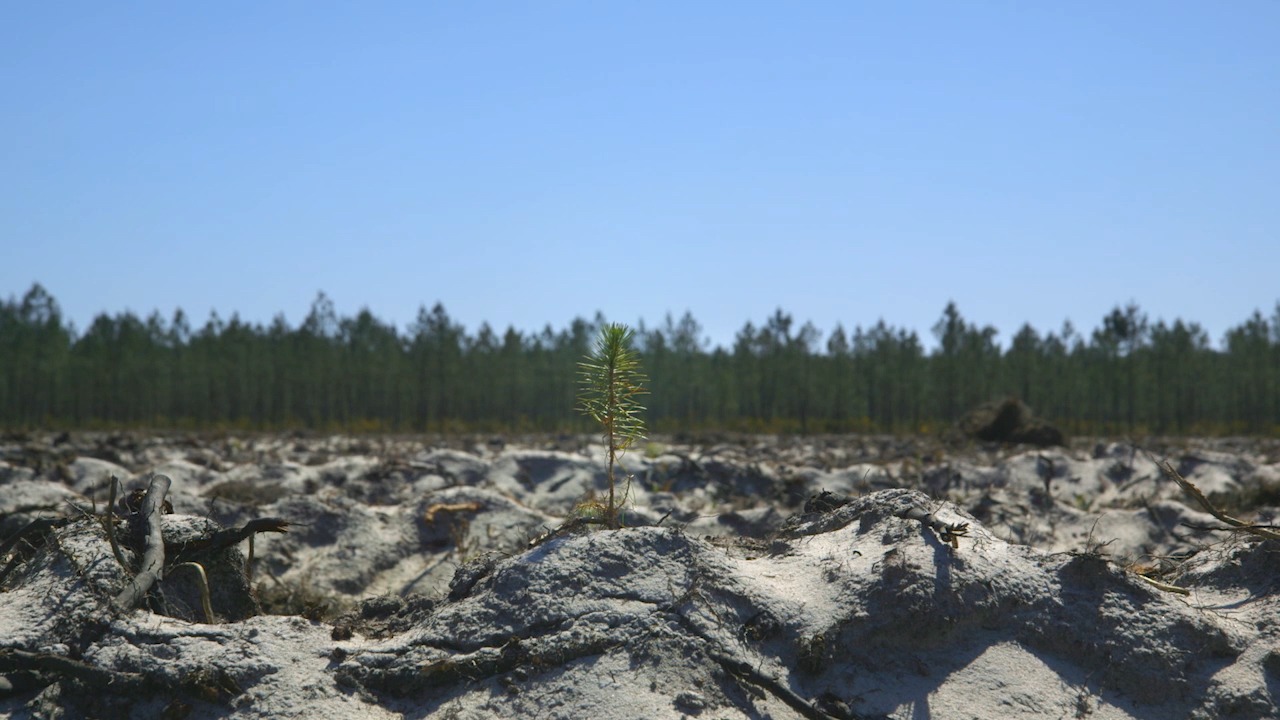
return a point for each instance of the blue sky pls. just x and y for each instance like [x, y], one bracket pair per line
[525, 163]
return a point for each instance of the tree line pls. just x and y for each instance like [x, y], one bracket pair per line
[1129, 375]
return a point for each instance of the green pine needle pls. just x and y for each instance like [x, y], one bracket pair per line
[611, 382]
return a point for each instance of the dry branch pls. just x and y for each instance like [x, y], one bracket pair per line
[153, 556]
[13, 660]
[1164, 586]
[748, 673]
[33, 534]
[566, 528]
[1194, 492]
[37, 527]
[224, 539]
[430, 515]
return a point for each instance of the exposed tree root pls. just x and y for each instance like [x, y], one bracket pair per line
[153, 557]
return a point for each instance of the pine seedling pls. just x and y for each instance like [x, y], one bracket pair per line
[611, 383]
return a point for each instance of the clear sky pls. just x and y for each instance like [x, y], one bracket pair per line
[525, 163]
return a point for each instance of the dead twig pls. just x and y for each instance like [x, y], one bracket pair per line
[109, 523]
[1163, 586]
[34, 534]
[1194, 526]
[430, 514]
[153, 556]
[224, 539]
[12, 660]
[1194, 492]
[248, 562]
[39, 526]
[748, 674]
[1092, 547]
[568, 527]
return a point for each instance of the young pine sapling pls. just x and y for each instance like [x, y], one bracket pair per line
[611, 383]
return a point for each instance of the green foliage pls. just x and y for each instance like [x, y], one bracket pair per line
[611, 384]
[1130, 376]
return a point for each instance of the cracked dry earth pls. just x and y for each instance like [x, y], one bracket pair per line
[757, 578]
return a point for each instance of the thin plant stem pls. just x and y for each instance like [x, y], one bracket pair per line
[205, 602]
[109, 522]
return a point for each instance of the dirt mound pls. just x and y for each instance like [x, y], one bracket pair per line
[1010, 421]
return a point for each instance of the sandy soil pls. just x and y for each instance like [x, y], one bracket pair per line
[842, 576]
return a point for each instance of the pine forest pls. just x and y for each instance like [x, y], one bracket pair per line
[1129, 375]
